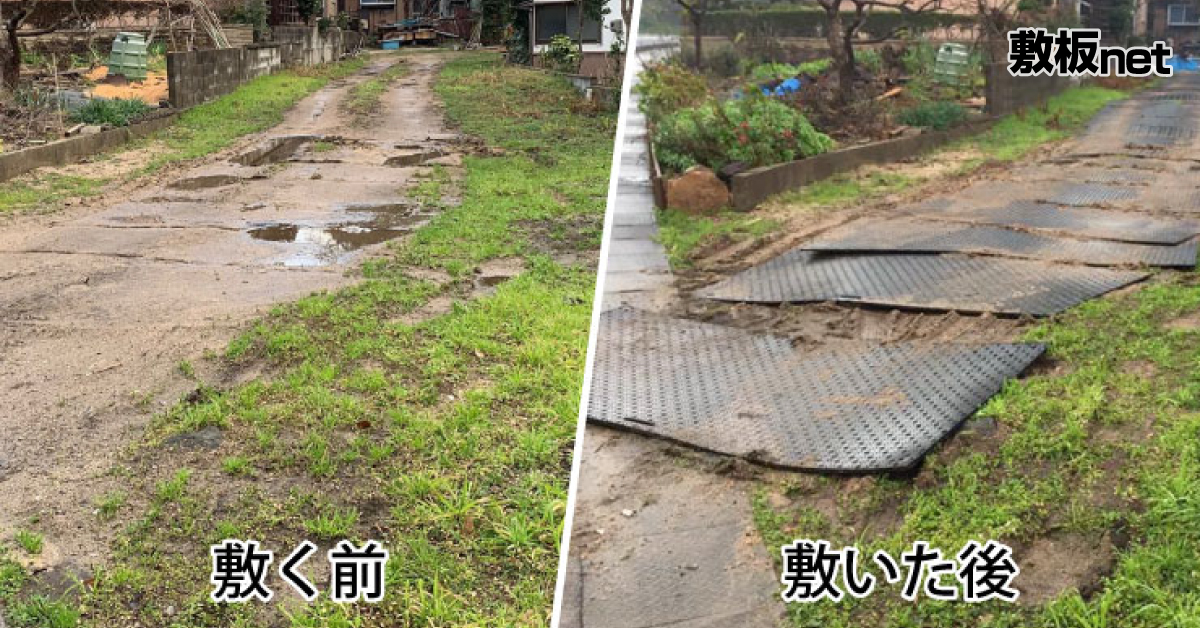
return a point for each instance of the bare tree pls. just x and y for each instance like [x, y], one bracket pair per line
[10, 44]
[842, 32]
[13, 16]
[696, 11]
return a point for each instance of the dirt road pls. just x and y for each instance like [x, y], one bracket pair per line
[104, 306]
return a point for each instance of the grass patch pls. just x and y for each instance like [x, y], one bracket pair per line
[680, 232]
[1065, 114]
[448, 440]
[254, 106]
[363, 99]
[30, 541]
[43, 192]
[1104, 448]
[109, 504]
[1010, 139]
[117, 112]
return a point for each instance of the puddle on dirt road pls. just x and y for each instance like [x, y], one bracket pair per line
[326, 244]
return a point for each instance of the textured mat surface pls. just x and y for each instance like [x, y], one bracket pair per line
[929, 282]
[905, 235]
[751, 395]
[1087, 194]
[1075, 221]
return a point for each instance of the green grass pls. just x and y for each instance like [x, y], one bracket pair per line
[115, 112]
[448, 440]
[1016, 135]
[1093, 448]
[44, 192]
[110, 503]
[1010, 139]
[30, 541]
[680, 232]
[254, 106]
[844, 190]
[363, 99]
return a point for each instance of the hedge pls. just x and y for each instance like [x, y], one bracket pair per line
[794, 21]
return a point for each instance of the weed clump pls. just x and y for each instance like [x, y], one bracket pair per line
[752, 131]
[115, 112]
[937, 115]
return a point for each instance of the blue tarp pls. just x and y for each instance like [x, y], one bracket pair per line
[788, 86]
[1180, 65]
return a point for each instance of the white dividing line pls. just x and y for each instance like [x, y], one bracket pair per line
[564, 546]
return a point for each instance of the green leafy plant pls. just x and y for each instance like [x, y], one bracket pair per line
[117, 112]
[309, 9]
[773, 71]
[754, 131]
[562, 54]
[30, 541]
[938, 115]
[668, 87]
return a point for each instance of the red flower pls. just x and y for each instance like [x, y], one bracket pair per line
[742, 139]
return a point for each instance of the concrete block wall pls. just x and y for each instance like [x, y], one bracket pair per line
[1006, 93]
[201, 75]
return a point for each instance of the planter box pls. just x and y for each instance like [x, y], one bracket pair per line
[754, 186]
[73, 149]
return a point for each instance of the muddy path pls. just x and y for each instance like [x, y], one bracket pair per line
[103, 307]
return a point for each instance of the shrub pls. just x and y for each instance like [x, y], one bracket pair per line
[937, 115]
[117, 112]
[562, 54]
[668, 87]
[754, 131]
[772, 71]
[785, 19]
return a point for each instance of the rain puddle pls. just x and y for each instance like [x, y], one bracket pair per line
[325, 244]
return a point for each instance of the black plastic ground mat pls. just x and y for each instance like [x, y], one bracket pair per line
[1089, 194]
[1074, 221]
[751, 395]
[907, 235]
[961, 283]
[1086, 174]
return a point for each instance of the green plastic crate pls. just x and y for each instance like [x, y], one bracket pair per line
[128, 57]
[951, 65]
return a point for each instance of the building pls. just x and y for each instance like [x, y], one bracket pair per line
[1177, 21]
[548, 18]
[374, 13]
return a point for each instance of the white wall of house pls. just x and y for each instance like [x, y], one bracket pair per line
[607, 36]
